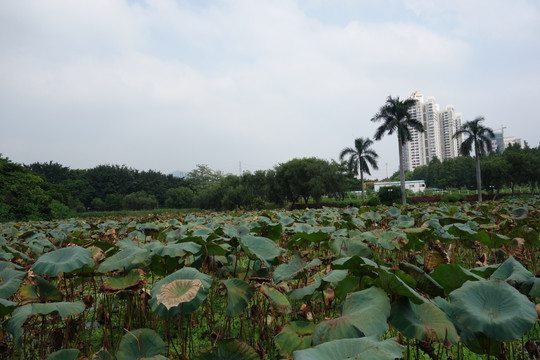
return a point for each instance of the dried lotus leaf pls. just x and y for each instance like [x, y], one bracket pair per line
[178, 292]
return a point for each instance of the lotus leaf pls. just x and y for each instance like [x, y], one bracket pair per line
[257, 247]
[366, 348]
[493, 308]
[393, 212]
[228, 349]
[64, 309]
[512, 272]
[132, 281]
[64, 260]
[452, 276]
[141, 344]
[278, 301]
[306, 292]
[7, 307]
[393, 285]
[239, 293]
[186, 307]
[102, 354]
[404, 222]
[293, 268]
[127, 259]
[10, 280]
[519, 213]
[365, 313]
[64, 354]
[294, 336]
[343, 246]
[423, 322]
[43, 291]
[425, 283]
[178, 292]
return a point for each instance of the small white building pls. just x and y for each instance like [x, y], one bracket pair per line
[412, 185]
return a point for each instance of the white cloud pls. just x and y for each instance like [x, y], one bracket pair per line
[221, 82]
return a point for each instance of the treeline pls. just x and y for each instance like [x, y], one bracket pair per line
[516, 166]
[51, 190]
[42, 191]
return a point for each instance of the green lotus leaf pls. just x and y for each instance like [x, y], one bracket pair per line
[425, 283]
[10, 280]
[277, 300]
[531, 287]
[452, 276]
[7, 307]
[132, 281]
[43, 291]
[423, 322]
[306, 292]
[393, 212]
[394, 285]
[183, 307]
[371, 216]
[102, 354]
[64, 354]
[365, 313]
[64, 309]
[365, 348]
[293, 268]
[519, 213]
[141, 344]
[257, 247]
[343, 246]
[295, 335]
[493, 308]
[239, 293]
[228, 349]
[63, 260]
[127, 259]
[390, 240]
[404, 222]
[178, 249]
[512, 272]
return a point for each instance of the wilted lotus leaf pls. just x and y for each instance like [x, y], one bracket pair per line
[133, 281]
[178, 292]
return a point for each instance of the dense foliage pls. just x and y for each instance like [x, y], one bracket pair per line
[438, 282]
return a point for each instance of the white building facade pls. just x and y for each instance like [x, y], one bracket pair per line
[438, 138]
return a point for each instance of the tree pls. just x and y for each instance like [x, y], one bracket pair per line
[479, 139]
[308, 177]
[360, 157]
[397, 118]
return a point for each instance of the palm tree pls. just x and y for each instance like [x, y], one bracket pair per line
[397, 118]
[360, 157]
[479, 137]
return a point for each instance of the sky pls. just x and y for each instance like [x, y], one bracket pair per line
[243, 85]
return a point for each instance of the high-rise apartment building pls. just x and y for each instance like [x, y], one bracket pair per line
[437, 140]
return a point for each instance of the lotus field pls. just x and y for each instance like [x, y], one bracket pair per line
[433, 281]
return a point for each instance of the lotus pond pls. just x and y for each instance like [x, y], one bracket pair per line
[413, 282]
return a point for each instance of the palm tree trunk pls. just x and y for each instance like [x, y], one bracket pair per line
[478, 178]
[363, 190]
[402, 173]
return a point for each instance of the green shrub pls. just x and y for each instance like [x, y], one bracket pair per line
[139, 200]
[390, 194]
[179, 198]
[374, 201]
[451, 198]
[60, 211]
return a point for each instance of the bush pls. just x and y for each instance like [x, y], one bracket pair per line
[451, 198]
[390, 194]
[113, 202]
[373, 201]
[139, 200]
[179, 198]
[97, 204]
[60, 211]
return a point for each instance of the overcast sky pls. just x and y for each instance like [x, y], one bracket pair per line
[168, 84]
